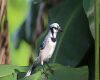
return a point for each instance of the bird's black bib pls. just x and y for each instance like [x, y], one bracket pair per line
[53, 39]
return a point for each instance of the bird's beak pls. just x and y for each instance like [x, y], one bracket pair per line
[60, 30]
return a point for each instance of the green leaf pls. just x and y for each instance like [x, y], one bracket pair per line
[90, 11]
[75, 39]
[61, 73]
[8, 77]
[11, 72]
[11, 68]
[36, 76]
[5, 70]
[68, 73]
[17, 11]
[7, 73]
[21, 55]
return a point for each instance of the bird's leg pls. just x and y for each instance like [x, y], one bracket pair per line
[44, 72]
[51, 70]
[43, 69]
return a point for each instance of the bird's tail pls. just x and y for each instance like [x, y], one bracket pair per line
[31, 70]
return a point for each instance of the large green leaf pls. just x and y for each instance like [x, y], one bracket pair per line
[7, 73]
[61, 73]
[75, 39]
[64, 73]
[8, 77]
[10, 72]
[89, 7]
[5, 70]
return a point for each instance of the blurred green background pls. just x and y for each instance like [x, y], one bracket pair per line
[28, 22]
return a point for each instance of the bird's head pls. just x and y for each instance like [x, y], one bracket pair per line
[54, 27]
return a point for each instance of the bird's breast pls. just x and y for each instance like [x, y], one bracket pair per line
[47, 52]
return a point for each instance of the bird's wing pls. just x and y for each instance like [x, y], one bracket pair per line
[42, 46]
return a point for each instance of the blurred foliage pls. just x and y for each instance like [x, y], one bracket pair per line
[71, 20]
[18, 12]
[75, 17]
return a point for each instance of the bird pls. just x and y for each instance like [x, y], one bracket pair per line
[47, 47]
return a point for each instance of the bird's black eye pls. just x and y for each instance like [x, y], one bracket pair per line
[55, 28]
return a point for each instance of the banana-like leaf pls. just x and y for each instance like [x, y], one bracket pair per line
[61, 73]
[89, 7]
[7, 73]
[75, 39]
[10, 72]
[9, 77]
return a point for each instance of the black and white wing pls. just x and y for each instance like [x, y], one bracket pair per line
[43, 45]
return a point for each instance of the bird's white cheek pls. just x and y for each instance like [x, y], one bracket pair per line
[55, 31]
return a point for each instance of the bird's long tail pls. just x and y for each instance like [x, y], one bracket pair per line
[31, 70]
